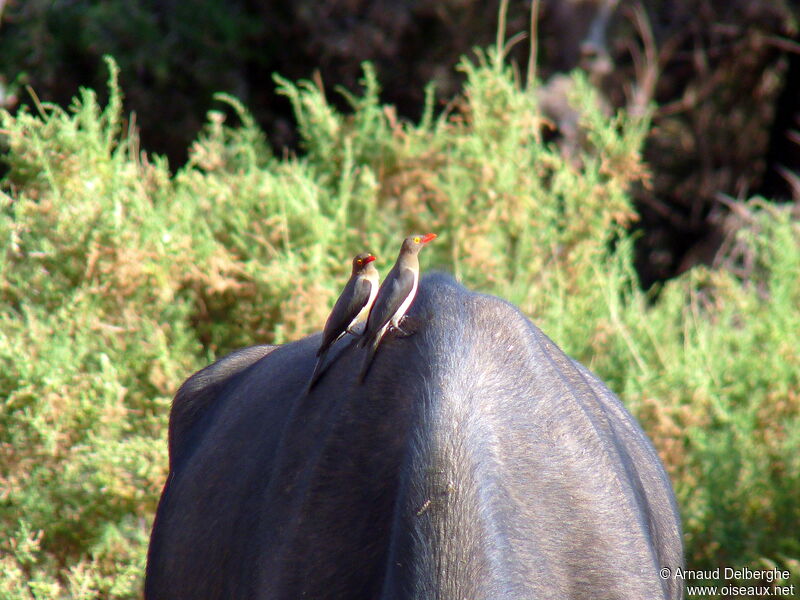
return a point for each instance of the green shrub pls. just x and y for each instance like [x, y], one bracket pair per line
[718, 388]
[118, 279]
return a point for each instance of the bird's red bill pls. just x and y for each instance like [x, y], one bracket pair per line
[369, 259]
[428, 237]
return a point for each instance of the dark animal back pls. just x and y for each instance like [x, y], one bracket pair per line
[475, 461]
[197, 394]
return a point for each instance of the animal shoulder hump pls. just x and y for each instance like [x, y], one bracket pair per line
[200, 390]
[463, 320]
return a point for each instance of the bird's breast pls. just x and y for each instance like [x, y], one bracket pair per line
[395, 320]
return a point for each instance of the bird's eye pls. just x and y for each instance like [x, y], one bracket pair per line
[416, 240]
[359, 261]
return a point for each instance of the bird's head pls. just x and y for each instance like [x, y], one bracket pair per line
[360, 261]
[414, 243]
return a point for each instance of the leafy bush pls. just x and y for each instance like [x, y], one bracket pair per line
[118, 279]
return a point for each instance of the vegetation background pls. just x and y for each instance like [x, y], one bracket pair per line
[120, 276]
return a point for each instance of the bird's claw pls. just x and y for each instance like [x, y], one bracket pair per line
[409, 329]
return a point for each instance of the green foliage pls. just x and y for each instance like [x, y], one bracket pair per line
[712, 369]
[118, 279]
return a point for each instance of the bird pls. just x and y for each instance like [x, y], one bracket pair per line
[351, 308]
[394, 297]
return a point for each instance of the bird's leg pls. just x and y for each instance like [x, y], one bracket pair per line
[398, 332]
[410, 326]
[356, 329]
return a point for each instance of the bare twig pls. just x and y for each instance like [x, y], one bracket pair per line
[783, 43]
[533, 56]
[792, 178]
[513, 41]
[646, 67]
[501, 33]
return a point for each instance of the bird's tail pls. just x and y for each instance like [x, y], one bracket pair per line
[318, 370]
[371, 344]
[363, 339]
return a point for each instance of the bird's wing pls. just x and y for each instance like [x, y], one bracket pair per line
[390, 297]
[354, 296]
[361, 294]
[336, 323]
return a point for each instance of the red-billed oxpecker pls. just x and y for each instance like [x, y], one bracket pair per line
[351, 308]
[394, 296]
